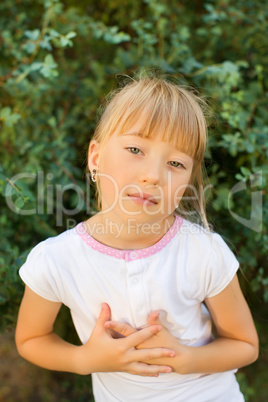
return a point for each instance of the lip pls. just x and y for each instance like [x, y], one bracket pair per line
[143, 198]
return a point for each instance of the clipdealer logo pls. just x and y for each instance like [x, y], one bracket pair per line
[50, 198]
[254, 222]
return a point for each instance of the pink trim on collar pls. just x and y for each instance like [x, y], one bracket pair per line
[129, 255]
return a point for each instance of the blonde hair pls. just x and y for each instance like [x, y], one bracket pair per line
[172, 110]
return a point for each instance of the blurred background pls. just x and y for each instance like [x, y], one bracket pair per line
[58, 60]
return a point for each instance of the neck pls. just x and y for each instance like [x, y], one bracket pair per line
[127, 235]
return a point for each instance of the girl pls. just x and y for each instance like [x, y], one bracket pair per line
[143, 284]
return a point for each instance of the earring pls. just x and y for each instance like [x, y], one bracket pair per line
[93, 175]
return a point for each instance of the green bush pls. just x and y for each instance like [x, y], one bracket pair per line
[58, 61]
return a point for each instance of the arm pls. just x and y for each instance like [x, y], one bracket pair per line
[236, 345]
[237, 342]
[37, 343]
[34, 335]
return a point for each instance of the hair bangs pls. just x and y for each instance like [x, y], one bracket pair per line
[170, 116]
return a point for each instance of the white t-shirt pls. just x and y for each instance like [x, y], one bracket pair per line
[174, 276]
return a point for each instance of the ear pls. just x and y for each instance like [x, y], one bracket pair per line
[93, 155]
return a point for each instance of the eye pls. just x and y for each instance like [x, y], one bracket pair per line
[176, 164]
[134, 150]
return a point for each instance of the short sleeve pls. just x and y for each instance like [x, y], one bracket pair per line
[38, 274]
[221, 268]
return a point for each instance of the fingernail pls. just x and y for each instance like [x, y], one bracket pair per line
[168, 370]
[172, 354]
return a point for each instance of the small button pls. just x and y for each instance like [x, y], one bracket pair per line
[133, 255]
[134, 280]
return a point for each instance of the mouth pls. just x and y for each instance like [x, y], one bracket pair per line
[143, 198]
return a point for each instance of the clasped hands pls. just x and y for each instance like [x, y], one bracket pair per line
[116, 346]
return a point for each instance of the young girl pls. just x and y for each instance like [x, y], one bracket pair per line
[143, 284]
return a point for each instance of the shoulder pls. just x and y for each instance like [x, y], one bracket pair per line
[207, 257]
[202, 237]
[205, 247]
[68, 240]
[61, 239]
[48, 262]
[195, 236]
[189, 229]
[58, 247]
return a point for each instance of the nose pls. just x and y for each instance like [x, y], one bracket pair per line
[151, 174]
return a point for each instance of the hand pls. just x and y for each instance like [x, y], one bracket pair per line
[161, 339]
[103, 353]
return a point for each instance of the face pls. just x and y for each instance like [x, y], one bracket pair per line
[142, 179]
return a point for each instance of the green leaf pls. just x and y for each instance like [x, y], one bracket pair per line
[49, 66]
[33, 35]
[9, 118]
[5, 112]
[53, 33]
[19, 203]
[29, 47]
[71, 35]
[245, 171]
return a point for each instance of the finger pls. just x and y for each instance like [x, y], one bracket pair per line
[142, 335]
[143, 355]
[105, 314]
[121, 327]
[151, 369]
[154, 318]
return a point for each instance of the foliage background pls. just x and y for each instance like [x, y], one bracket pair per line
[59, 59]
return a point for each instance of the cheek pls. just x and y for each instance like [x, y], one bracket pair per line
[114, 162]
[180, 187]
[111, 180]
